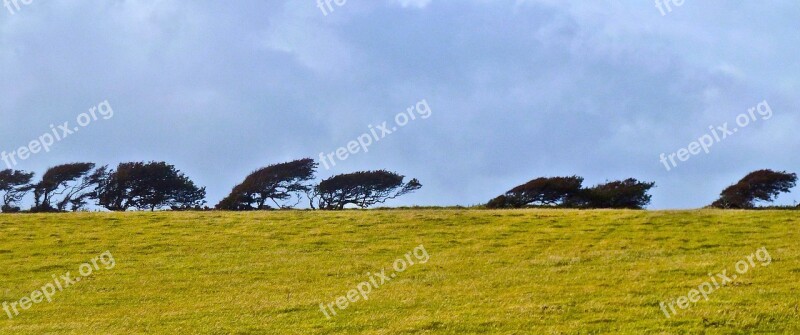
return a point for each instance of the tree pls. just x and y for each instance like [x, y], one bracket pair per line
[237, 200]
[70, 181]
[363, 189]
[150, 186]
[500, 201]
[761, 185]
[14, 184]
[277, 183]
[78, 195]
[116, 187]
[629, 194]
[554, 191]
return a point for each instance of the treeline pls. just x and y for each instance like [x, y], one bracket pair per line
[70, 187]
[762, 186]
[285, 185]
[568, 192]
[158, 185]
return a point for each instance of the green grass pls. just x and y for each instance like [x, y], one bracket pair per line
[489, 272]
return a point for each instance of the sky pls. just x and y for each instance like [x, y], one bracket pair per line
[516, 90]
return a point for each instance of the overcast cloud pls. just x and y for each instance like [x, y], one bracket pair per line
[518, 88]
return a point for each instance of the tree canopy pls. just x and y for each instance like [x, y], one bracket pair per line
[277, 183]
[14, 185]
[156, 185]
[152, 186]
[363, 189]
[63, 185]
[761, 185]
[545, 191]
[624, 194]
[567, 192]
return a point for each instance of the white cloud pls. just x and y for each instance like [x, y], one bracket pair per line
[518, 88]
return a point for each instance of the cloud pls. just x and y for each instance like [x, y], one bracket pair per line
[519, 89]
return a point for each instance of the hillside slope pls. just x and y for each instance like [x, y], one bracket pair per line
[473, 272]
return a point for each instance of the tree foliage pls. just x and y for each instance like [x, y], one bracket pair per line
[14, 184]
[151, 185]
[761, 185]
[567, 192]
[362, 189]
[545, 191]
[277, 183]
[500, 201]
[63, 185]
[624, 194]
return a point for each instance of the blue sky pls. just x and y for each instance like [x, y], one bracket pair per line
[518, 89]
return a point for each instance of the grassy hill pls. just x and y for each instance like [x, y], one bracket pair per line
[486, 272]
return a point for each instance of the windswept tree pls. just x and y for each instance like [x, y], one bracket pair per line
[553, 191]
[79, 194]
[152, 186]
[362, 189]
[501, 201]
[64, 185]
[14, 184]
[276, 184]
[116, 187]
[623, 194]
[761, 185]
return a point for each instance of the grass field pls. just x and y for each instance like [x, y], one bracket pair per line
[488, 272]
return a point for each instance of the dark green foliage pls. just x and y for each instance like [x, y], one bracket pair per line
[362, 189]
[626, 194]
[152, 186]
[553, 191]
[761, 185]
[63, 185]
[501, 201]
[567, 192]
[14, 184]
[277, 183]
